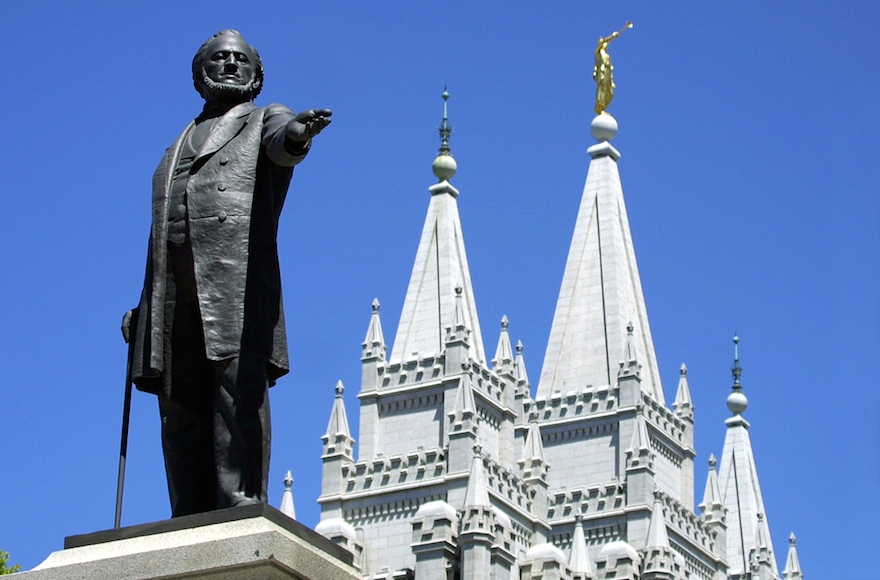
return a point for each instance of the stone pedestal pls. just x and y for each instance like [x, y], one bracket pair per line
[247, 543]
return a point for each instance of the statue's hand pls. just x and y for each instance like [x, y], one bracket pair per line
[126, 326]
[307, 124]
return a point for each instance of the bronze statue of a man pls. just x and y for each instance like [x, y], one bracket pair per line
[208, 336]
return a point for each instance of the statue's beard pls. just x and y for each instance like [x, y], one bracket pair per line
[224, 93]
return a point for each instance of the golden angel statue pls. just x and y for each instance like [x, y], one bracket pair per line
[602, 71]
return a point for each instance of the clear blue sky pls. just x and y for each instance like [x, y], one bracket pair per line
[749, 138]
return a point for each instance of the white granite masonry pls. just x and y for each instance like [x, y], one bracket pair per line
[462, 475]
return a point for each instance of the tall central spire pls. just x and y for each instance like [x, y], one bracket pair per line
[601, 291]
[440, 267]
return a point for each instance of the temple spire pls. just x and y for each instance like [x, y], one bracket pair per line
[683, 404]
[579, 561]
[792, 563]
[739, 483]
[287, 507]
[477, 494]
[520, 372]
[502, 363]
[712, 499]
[657, 536]
[601, 291]
[440, 266]
[337, 439]
[374, 342]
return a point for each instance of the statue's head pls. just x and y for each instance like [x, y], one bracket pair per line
[227, 69]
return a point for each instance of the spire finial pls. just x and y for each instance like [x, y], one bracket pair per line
[736, 369]
[791, 539]
[736, 401]
[340, 388]
[712, 461]
[445, 128]
[444, 165]
[375, 305]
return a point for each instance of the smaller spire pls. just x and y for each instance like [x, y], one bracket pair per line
[657, 536]
[736, 401]
[503, 361]
[712, 496]
[287, 497]
[338, 438]
[477, 494]
[534, 447]
[464, 399]
[761, 555]
[459, 321]
[444, 165]
[520, 373]
[792, 563]
[374, 342]
[630, 365]
[760, 540]
[683, 404]
[579, 561]
[640, 438]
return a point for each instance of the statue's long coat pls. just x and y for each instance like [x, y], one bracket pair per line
[235, 193]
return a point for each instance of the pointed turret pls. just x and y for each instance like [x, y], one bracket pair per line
[477, 494]
[337, 438]
[521, 374]
[463, 424]
[660, 562]
[712, 501]
[374, 342]
[521, 392]
[287, 507]
[372, 365]
[533, 466]
[440, 265]
[713, 512]
[640, 458]
[503, 361]
[761, 560]
[640, 443]
[657, 536]
[738, 481]
[629, 373]
[792, 563]
[338, 446]
[683, 405]
[477, 533]
[601, 290]
[579, 561]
